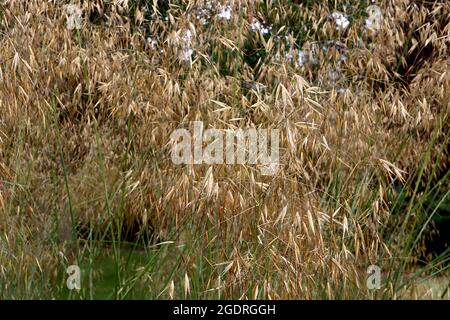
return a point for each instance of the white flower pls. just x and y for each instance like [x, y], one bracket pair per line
[225, 12]
[341, 20]
[185, 50]
[204, 11]
[341, 90]
[152, 42]
[73, 17]
[187, 36]
[258, 26]
[203, 19]
[301, 59]
[186, 54]
[373, 22]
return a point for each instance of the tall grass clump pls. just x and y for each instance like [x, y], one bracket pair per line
[86, 176]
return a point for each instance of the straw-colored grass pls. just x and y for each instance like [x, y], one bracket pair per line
[86, 175]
